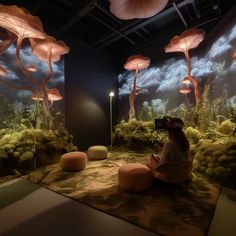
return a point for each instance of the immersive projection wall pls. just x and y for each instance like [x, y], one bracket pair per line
[14, 98]
[215, 70]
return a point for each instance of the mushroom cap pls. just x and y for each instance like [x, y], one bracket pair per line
[20, 22]
[137, 61]
[53, 95]
[186, 81]
[130, 9]
[187, 40]
[185, 90]
[41, 48]
[3, 71]
[32, 68]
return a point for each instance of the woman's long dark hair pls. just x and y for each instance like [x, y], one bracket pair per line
[178, 136]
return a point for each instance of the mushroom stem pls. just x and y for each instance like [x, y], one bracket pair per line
[50, 71]
[132, 96]
[131, 104]
[18, 61]
[196, 90]
[186, 100]
[46, 103]
[194, 81]
[188, 61]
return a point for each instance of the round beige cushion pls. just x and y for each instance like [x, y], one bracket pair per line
[135, 177]
[73, 161]
[97, 152]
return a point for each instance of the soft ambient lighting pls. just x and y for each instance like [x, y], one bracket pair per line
[111, 94]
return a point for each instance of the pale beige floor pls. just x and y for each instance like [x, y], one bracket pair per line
[224, 220]
[27, 209]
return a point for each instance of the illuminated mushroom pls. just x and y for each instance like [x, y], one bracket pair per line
[32, 68]
[185, 91]
[130, 9]
[186, 81]
[53, 94]
[48, 50]
[136, 63]
[24, 25]
[189, 39]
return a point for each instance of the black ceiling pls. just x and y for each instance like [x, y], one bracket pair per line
[91, 21]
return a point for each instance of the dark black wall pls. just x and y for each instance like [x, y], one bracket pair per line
[89, 77]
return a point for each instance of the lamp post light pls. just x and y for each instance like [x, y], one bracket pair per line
[111, 95]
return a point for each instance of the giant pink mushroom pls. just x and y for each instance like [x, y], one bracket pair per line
[48, 50]
[130, 9]
[185, 91]
[189, 39]
[24, 25]
[136, 63]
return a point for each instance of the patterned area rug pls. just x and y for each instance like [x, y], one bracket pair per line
[167, 210]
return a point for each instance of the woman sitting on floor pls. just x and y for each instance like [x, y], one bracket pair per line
[177, 149]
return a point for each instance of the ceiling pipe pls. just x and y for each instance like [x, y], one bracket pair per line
[138, 24]
[180, 14]
[113, 29]
[116, 20]
[197, 12]
[84, 11]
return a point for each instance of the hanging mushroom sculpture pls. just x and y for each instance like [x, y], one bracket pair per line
[189, 39]
[136, 63]
[130, 9]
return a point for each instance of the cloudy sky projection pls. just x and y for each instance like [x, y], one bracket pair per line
[217, 65]
[15, 75]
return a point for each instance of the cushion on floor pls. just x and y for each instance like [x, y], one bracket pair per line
[73, 161]
[135, 177]
[97, 152]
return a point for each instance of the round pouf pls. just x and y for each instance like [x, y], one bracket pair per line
[134, 177]
[73, 161]
[97, 152]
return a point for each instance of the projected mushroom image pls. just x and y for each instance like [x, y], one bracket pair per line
[185, 91]
[135, 63]
[129, 9]
[19, 25]
[53, 94]
[189, 39]
[32, 124]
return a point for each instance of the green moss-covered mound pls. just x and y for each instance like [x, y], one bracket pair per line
[137, 134]
[216, 160]
[28, 148]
